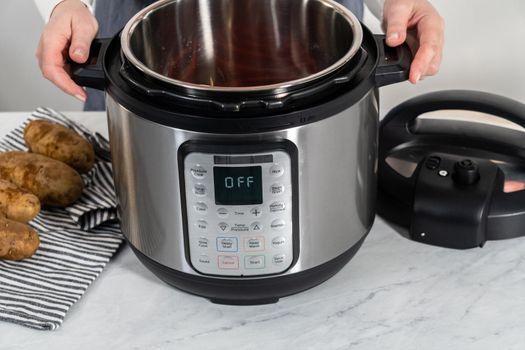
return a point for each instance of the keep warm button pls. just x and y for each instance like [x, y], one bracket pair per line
[254, 262]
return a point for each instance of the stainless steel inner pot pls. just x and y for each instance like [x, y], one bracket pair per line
[241, 45]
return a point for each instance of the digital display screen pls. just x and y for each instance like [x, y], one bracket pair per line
[238, 185]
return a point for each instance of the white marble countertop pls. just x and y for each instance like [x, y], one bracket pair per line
[394, 294]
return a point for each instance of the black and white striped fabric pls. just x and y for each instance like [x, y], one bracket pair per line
[76, 243]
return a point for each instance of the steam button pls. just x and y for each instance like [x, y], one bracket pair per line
[278, 224]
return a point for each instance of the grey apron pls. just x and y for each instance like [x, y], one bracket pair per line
[112, 15]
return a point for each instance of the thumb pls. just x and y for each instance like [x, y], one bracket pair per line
[396, 17]
[83, 31]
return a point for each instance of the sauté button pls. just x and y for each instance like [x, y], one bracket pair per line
[201, 207]
[198, 172]
[204, 259]
[276, 170]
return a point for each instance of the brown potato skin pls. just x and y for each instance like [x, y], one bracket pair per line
[17, 204]
[17, 241]
[61, 143]
[53, 182]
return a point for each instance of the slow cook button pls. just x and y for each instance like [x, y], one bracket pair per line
[199, 190]
[240, 228]
[198, 172]
[276, 189]
[278, 259]
[201, 208]
[254, 244]
[203, 242]
[227, 244]
[228, 262]
[277, 207]
[278, 242]
[254, 262]
[278, 224]
[276, 170]
[204, 259]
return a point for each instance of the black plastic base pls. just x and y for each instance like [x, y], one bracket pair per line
[249, 292]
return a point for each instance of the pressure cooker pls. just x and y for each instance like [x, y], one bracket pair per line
[244, 140]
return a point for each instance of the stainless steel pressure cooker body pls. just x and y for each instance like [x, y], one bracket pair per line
[243, 137]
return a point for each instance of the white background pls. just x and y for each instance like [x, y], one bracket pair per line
[485, 50]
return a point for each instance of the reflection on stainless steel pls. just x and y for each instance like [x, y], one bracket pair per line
[241, 44]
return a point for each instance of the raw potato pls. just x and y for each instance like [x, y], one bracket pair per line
[17, 204]
[53, 182]
[17, 241]
[60, 143]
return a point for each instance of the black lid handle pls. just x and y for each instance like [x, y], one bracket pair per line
[91, 74]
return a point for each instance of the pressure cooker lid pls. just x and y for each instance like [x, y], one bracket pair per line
[241, 45]
[452, 168]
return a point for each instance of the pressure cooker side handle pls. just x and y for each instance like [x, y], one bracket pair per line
[394, 62]
[91, 74]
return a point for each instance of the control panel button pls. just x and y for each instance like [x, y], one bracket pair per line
[256, 212]
[278, 224]
[227, 244]
[199, 190]
[256, 226]
[278, 242]
[240, 228]
[203, 242]
[239, 213]
[278, 259]
[223, 227]
[201, 225]
[228, 262]
[204, 259]
[198, 172]
[254, 262]
[277, 207]
[277, 189]
[254, 244]
[276, 170]
[223, 213]
[201, 208]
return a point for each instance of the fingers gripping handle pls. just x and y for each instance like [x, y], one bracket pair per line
[91, 74]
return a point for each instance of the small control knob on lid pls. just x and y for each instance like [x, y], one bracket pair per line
[466, 172]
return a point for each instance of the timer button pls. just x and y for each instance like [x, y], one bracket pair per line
[201, 208]
[223, 227]
[199, 190]
[256, 212]
[276, 170]
[276, 189]
[198, 172]
[222, 213]
[201, 225]
[278, 242]
[278, 224]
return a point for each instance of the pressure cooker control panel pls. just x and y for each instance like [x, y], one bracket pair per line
[239, 212]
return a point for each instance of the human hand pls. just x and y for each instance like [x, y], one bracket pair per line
[419, 24]
[69, 33]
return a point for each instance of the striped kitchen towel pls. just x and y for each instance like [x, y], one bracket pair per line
[76, 243]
